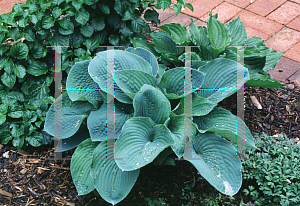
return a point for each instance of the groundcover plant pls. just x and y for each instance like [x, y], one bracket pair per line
[149, 121]
[218, 40]
[28, 35]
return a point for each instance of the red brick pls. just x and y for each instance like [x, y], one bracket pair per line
[6, 6]
[286, 13]
[239, 3]
[180, 19]
[287, 67]
[283, 40]
[296, 1]
[201, 7]
[294, 52]
[295, 24]
[253, 32]
[225, 12]
[259, 23]
[295, 78]
[264, 7]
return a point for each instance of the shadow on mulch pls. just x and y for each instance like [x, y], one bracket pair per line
[28, 178]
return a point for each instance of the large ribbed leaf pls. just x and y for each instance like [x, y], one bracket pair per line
[263, 80]
[227, 125]
[221, 79]
[147, 55]
[81, 166]
[150, 102]
[176, 125]
[218, 35]
[110, 181]
[271, 60]
[172, 82]
[140, 142]
[137, 42]
[73, 113]
[198, 35]
[131, 81]
[179, 33]
[217, 162]
[80, 85]
[164, 43]
[97, 121]
[73, 141]
[200, 106]
[237, 31]
[121, 60]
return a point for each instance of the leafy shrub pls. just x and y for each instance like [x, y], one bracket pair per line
[272, 174]
[215, 41]
[25, 36]
[150, 119]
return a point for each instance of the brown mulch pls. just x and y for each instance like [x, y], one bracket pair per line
[30, 178]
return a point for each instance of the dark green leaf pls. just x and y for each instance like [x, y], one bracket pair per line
[59, 40]
[8, 80]
[190, 6]
[44, 4]
[82, 16]
[138, 25]
[35, 139]
[2, 118]
[48, 22]
[16, 114]
[37, 68]
[76, 39]
[18, 142]
[3, 49]
[177, 8]
[164, 3]
[33, 19]
[151, 15]
[22, 22]
[105, 8]
[114, 40]
[16, 96]
[68, 31]
[8, 19]
[3, 108]
[19, 50]
[64, 23]
[56, 12]
[87, 30]
[28, 34]
[98, 23]
[9, 67]
[92, 43]
[115, 20]
[3, 62]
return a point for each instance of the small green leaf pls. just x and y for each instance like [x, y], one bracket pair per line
[17, 114]
[138, 25]
[19, 50]
[151, 15]
[48, 22]
[23, 22]
[98, 23]
[237, 31]
[198, 35]
[114, 40]
[2, 117]
[8, 80]
[33, 18]
[37, 68]
[82, 16]
[56, 12]
[87, 30]
[35, 139]
[18, 142]
[105, 8]
[92, 43]
[68, 31]
[164, 3]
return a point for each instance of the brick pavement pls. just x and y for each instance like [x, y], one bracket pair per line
[276, 21]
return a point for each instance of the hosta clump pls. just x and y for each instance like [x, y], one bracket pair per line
[217, 40]
[28, 35]
[150, 121]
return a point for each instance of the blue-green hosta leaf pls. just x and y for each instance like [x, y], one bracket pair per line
[137, 42]
[200, 106]
[193, 56]
[19, 50]
[81, 166]
[164, 44]
[179, 33]
[263, 80]
[97, 121]
[237, 31]
[176, 125]
[271, 60]
[73, 114]
[227, 125]
[80, 85]
[140, 142]
[147, 55]
[110, 181]
[73, 141]
[218, 162]
[131, 81]
[122, 60]
[172, 82]
[195, 64]
[218, 35]
[221, 79]
[151, 102]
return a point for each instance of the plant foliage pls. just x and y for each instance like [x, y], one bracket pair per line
[28, 35]
[217, 40]
[150, 121]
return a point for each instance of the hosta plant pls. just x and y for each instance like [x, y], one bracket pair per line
[28, 35]
[150, 121]
[217, 40]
